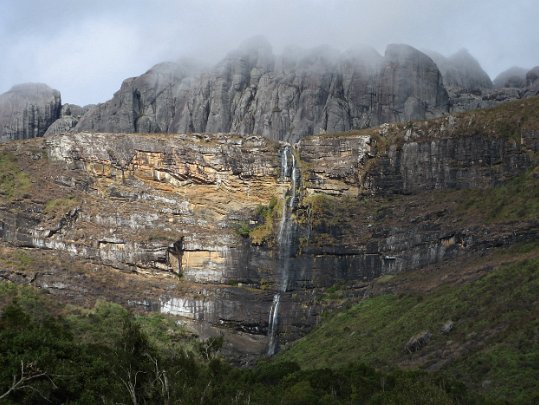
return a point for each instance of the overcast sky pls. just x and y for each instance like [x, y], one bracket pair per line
[85, 48]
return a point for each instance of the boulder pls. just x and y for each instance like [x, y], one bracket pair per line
[418, 341]
[448, 326]
[70, 115]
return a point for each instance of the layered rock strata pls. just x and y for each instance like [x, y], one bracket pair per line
[199, 215]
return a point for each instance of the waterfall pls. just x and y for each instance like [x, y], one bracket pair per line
[272, 321]
[284, 241]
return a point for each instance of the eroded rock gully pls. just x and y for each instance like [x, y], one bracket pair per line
[178, 215]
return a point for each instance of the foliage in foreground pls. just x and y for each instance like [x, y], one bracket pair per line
[105, 356]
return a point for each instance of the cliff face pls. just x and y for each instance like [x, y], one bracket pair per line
[462, 71]
[283, 98]
[253, 91]
[27, 110]
[211, 227]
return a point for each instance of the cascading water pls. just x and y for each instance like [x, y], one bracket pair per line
[273, 321]
[284, 240]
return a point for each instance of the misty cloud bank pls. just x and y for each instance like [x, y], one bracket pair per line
[86, 49]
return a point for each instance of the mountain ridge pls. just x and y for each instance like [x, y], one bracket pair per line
[283, 97]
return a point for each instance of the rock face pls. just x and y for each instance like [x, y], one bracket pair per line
[532, 82]
[462, 71]
[444, 164]
[410, 86]
[218, 224]
[27, 110]
[467, 84]
[512, 77]
[283, 98]
[70, 115]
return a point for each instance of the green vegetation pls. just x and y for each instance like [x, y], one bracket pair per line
[14, 183]
[496, 316]
[506, 120]
[328, 217]
[244, 230]
[19, 260]
[108, 355]
[58, 207]
[262, 232]
[515, 200]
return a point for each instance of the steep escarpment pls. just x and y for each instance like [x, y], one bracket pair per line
[252, 91]
[27, 110]
[217, 225]
[285, 97]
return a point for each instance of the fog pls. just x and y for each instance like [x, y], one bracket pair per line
[86, 48]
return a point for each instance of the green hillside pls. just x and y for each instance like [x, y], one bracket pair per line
[493, 345]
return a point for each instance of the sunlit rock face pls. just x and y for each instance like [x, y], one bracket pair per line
[27, 110]
[213, 226]
[285, 97]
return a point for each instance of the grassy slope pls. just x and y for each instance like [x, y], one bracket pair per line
[494, 345]
[14, 182]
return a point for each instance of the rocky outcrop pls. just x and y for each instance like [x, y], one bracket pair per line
[532, 76]
[532, 82]
[462, 71]
[283, 98]
[468, 85]
[512, 77]
[418, 341]
[410, 86]
[70, 115]
[143, 104]
[27, 110]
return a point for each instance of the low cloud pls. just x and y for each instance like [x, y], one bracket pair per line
[86, 48]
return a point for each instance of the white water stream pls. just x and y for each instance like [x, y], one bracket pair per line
[284, 240]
